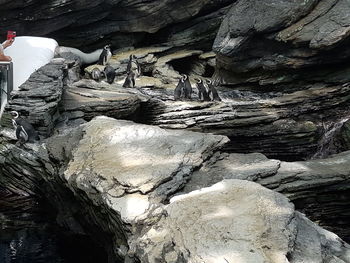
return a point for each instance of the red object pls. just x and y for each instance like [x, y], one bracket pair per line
[11, 35]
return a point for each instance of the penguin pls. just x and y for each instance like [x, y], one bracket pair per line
[110, 73]
[213, 91]
[96, 74]
[129, 80]
[106, 54]
[187, 87]
[202, 91]
[25, 132]
[178, 92]
[133, 65]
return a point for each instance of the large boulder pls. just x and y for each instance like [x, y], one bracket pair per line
[317, 187]
[237, 221]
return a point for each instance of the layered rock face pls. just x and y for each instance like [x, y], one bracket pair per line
[116, 180]
[121, 23]
[280, 48]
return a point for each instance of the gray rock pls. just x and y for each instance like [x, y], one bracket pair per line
[88, 98]
[138, 153]
[118, 22]
[37, 99]
[236, 221]
[120, 175]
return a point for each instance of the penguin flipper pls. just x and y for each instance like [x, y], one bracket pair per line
[21, 134]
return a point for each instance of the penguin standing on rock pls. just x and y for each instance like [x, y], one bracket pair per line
[202, 91]
[106, 54]
[179, 89]
[213, 91]
[133, 65]
[109, 72]
[129, 80]
[187, 87]
[25, 132]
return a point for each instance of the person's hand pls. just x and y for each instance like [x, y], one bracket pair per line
[5, 58]
[8, 43]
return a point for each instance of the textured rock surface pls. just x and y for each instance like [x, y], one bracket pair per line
[294, 34]
[37, 99]
[277, 48]
[286, 127]
[120, 157]
[320, 188]
[237, 221]
[112, 179]
[122, 23]
[87, 100]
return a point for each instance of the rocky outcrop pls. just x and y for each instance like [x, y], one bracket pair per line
[144, 166]
[317, 187]
[278, 48]
[237, 221]
[116, 180]
[122, 23]
[37, 99]
[86, 99]
[291, 35]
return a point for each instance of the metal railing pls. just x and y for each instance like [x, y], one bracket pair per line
[6, 81]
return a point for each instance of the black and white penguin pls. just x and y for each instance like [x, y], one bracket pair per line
[106, 54]
[25, 132]
[96, 74]
[187, 87]
[110, 73]
[133, 65]
[213, 91]
[178, 92]
[202, 91]
[129, 80]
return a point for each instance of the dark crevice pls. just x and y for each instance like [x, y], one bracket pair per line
[329, 207]
[29, 233]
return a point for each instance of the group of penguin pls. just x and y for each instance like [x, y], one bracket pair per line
[25, 132]
[133, 69]
[206, 91]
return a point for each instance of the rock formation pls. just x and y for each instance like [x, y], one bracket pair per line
[122, 23]
[156, 180]
[122, 177]
[287, 48]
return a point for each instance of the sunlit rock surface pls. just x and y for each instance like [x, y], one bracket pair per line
[113, 179]
[121, 162]
[237, 221]
[320, 188]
